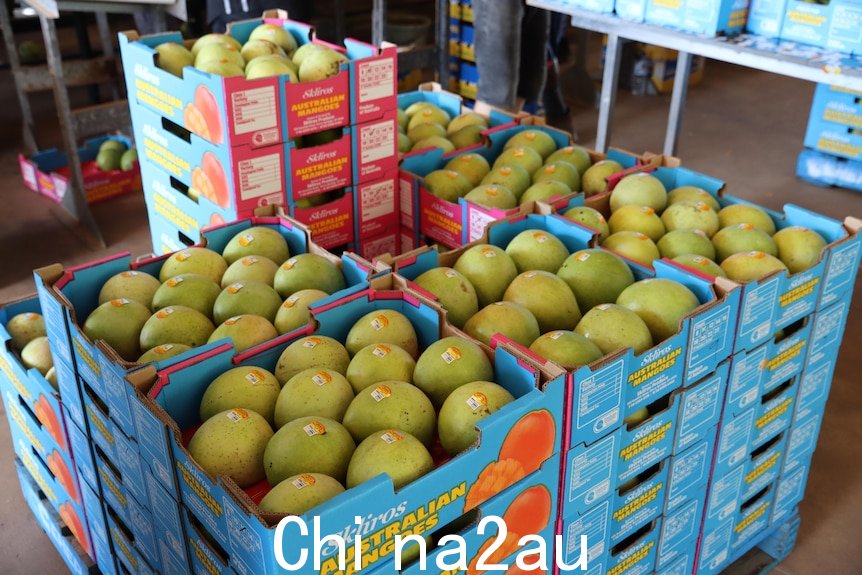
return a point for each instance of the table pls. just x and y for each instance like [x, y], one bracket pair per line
[770, 55]
[84, 122]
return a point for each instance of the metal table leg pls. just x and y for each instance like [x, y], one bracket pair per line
[27, 125]
[107, 42]
[340, 21]
[443, 43]
[609, 91]
[378, 21]
[677, 102]
[74, 201]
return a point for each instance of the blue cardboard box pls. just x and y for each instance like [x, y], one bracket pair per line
[766, 17]
[827, 332]
[616, 386]
[689, 472]
[468, 81]
[631, 10]
[837, 105]
[834, 25]
[730, 487]
[32, 391]
[53, 526]
[74, 293]
[833, 138]
[102, 550]
[70, 506]
[742, 433]
[125, 545]
[455, 224]
[755, 373]
[468, 42]
[789, 492]
[802, 442]
[743, 526]
[221, 507]
[709, 17]
[826, 170]
[266, 111]
[701, 408]
[635, 555]
[680, 530]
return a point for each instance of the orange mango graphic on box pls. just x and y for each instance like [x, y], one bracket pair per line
[73, 522]
[527, 445]
[46, 416]
[528, 514]
[210, 181]
[61, 471]
[202, 117]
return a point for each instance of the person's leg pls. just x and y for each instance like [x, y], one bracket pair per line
[533, 69]
[498, 50]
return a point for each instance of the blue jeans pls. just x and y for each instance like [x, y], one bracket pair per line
[511, 51]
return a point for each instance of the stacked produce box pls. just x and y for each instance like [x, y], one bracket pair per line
[268, 115]
[463, 72]
[614, 348]
[833, 141]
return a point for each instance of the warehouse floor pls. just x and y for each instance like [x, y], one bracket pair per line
[742, 125]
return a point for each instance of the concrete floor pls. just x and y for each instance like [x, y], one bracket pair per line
[742, 125]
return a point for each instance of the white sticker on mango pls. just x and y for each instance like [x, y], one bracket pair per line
[582, 257]
[391, 436]
[477, 400]
[165, 312]
[129, 274]
[254, 377]
[249, 260]
[380, 322]
[321, 378]
[381, 392]
[119, 302]
[489, 252]
[174, 282]
[304, 480]
[556, 335]
[540, 237]
[381, 350]
[311, 342]
[451, 354]
[290, 302]
[314, 428]
[164, 348]
[183, 256]
[288, 265]
[235, 288]
[237, 414]
[245, 239]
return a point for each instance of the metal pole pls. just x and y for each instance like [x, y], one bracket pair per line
[75, 201]
[27, 125]
[378, 21]
[609, 91]
[677, 102]
[340, 21]
[107, 43]
[443, 43]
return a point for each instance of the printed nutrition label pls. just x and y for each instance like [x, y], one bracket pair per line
[477, 222]
[406, 196]
[260, 176]
[591, 471]
[758, 310]
[376, 79]
[378, 200]
[254, 110]
[708, 338]
[599, 397]
[376, 142]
